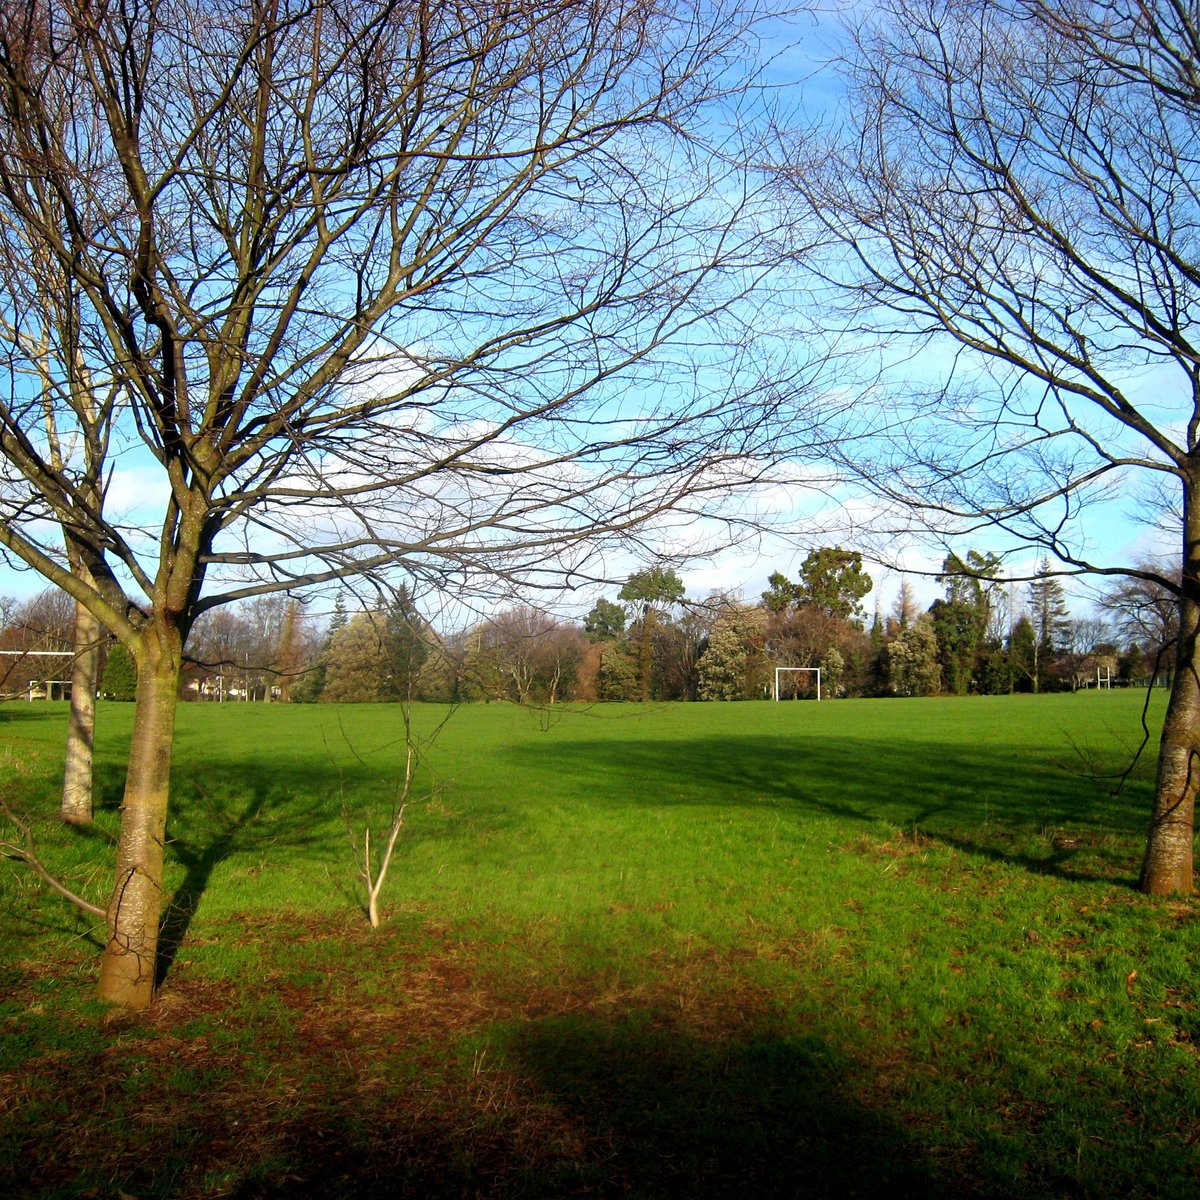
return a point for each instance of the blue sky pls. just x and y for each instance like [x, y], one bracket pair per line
[823, 517]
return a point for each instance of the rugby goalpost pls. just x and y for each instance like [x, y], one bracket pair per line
[811, 670]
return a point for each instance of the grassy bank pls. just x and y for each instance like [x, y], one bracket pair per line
[688, 950]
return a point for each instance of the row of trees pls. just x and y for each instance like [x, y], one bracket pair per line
[651, 642]
[984, 637]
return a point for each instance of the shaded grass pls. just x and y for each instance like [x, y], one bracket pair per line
[693, 950]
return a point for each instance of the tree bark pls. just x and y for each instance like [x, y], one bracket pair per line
[127, 972]
[85, 673]
[1168, 865]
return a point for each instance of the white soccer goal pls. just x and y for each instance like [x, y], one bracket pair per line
[49, 689]
[809, 670]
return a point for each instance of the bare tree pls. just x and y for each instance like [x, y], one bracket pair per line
[36, 641]
[528, 654]
[905, 609]
[44, 620]
[296, 649]
[1086, 647]
[371, 282]
[252, 650]
[1143, 611]
[1019, 183]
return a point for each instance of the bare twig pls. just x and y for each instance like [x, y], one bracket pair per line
[27, 853]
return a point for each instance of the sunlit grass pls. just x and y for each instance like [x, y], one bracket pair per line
[681, 949]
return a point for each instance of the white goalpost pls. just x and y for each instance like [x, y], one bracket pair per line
[810, 670]
[52, 685]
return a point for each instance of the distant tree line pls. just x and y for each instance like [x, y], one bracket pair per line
[650, 642]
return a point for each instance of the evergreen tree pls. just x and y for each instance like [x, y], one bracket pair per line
[356, 662]
[955, 624]
[120, 675]
[833, 669]
[405, 645]
[781, 593]
[337, 619]
[913, 660]
[963, 619]
[1023, 655]
[649, 591]
[723, 664]
[995, 672]
[731, 666]
[877, 663]
[605, 622]
[833, 582]
[618, 673]
[1051, 624]
[1048, 608]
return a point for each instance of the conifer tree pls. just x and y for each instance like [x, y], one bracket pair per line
[120, 675]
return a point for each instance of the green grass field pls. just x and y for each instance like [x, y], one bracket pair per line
[855, 948]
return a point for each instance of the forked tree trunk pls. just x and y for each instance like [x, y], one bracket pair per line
[127, 972]
[1167, 868]
[85, 675]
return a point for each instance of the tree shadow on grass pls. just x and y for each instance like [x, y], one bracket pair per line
[108, 786]
[631, 1104]
[336, 1099]
[975, 799]
[200, 857]
[21, 711]
[672, 1114]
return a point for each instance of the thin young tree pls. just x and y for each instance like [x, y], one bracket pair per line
[41, 346]
[1019, 184]
[458, 293]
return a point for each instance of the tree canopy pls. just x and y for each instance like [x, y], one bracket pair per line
[357, 289]
[832, 582]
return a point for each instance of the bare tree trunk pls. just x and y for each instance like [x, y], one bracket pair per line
[127, 973]
[1167, 867]
[85, 674]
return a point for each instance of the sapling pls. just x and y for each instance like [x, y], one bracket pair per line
[373, 855]
[374, 875]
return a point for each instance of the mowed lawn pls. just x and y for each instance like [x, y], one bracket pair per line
[848, 948]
